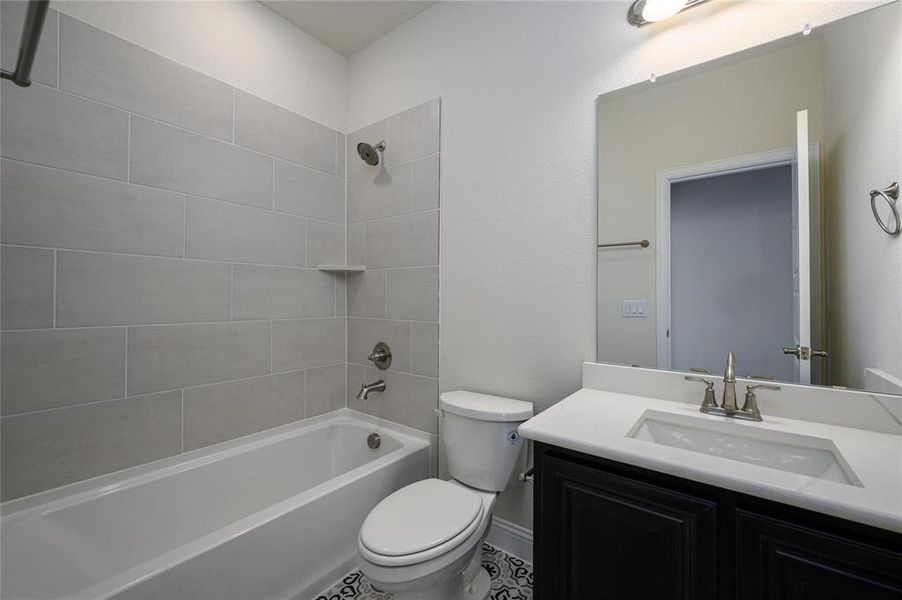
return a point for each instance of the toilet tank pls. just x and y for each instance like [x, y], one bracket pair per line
[479, 437]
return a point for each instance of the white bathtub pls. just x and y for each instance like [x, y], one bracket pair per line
[272, 515]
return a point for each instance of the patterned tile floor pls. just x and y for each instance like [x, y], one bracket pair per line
[511, 580]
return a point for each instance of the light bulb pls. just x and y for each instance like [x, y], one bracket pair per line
[658, 10]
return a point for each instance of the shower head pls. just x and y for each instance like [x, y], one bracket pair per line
[370, 154]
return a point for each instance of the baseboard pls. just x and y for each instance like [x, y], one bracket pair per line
[513, 539]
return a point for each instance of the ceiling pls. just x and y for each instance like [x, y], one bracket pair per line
[346, 26]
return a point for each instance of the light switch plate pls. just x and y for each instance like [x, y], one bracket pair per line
[634, 309]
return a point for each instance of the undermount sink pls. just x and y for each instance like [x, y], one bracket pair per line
[802, 454]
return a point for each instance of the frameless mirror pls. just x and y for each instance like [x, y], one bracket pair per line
[746, 205]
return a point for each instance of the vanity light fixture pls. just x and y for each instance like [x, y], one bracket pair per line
[643, 12]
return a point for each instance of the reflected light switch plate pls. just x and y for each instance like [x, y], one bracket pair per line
[634, 309]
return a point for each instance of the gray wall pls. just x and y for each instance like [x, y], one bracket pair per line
[393, 229]
[731, 263]
[159, 237]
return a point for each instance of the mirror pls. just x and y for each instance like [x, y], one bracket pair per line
[751, 179]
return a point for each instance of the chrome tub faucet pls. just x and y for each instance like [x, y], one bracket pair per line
[367, 388]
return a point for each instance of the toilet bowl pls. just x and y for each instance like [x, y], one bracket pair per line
[423, 541]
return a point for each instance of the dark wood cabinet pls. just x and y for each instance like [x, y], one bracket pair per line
[610, 531]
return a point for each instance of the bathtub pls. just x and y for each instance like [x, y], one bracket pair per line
[272, 515]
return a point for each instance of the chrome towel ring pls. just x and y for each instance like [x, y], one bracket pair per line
[890, 195]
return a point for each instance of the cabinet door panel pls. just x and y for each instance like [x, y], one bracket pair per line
[608, 537]
[783, 561]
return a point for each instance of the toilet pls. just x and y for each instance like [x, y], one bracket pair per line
[423, 541]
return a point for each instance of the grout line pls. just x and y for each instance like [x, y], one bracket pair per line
[182, 393]
[125, 375]
[54, 286]
[305, 393]
[231, 292]
[128, 152]
[185, 226]
[273, 187]
[59, 27]
[186, 258]
[234, 113]
[271, 327]
[134, 325]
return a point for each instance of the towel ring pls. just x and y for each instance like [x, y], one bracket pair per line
[890, 194]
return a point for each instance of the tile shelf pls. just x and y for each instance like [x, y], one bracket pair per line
[342, 268]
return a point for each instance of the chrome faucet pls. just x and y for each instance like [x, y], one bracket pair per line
[728, 408]
[729, 383]
[366, 388]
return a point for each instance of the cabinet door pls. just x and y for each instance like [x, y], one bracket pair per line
[608, 537]
[777, 560]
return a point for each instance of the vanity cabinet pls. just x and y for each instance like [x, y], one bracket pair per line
[610, 531]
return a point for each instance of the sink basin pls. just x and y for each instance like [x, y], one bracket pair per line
[802, 454]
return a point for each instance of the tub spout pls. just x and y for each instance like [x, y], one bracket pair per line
[366, 388]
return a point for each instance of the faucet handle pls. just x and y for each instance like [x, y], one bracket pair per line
[751, 401]
[710, 401]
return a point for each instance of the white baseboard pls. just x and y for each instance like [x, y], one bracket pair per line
[513, 539]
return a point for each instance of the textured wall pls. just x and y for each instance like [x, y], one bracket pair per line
[864, 151]
[393, 225]
[159, 232]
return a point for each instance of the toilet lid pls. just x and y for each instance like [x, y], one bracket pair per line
[419, 517]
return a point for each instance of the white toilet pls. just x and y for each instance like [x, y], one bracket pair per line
[423, 541]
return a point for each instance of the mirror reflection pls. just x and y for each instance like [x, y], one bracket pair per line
[735, 212]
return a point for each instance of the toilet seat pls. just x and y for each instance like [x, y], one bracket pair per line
[419, 522]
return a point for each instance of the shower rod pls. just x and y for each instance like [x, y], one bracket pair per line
[28, 47]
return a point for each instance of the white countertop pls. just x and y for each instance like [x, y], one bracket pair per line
[597, 423]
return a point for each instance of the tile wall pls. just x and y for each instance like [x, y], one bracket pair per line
[160, 233]
[393, 229]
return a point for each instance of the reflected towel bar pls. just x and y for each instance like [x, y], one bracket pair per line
[643, 243]
[28, 47]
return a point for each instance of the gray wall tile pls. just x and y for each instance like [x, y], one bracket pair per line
[409, 241]
[326, 389]
[224, 411]
[364, 333]
[309, 193]
[356, 241]
[45, 126]
[174, 159]
[414, 133]
[341, 294]
[265, 127]
[26, 279]
[371, 134]
[223, 231]
[305, 343]
[425, 184]
[325, 243]
[51, 368]
[386, 194]
[49, 207]
[98, 65]
[408, 399]
[12, 18]
[341, 141]
[282, 293]
[424, 349]
[51, 448]
[413, 294]
[366, 294]
[165, 357]
[115, 289]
